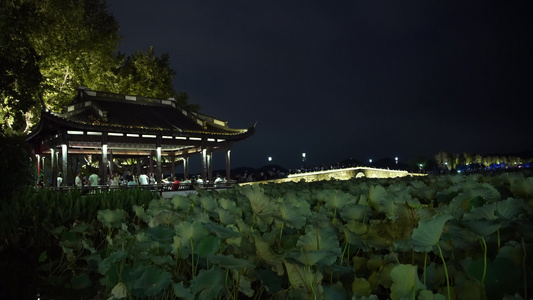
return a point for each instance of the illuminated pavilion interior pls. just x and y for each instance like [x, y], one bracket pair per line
[111, 126]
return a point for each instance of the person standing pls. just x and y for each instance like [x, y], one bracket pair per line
[143, 179]
[78, 181]
[93, 180]
[59, 179]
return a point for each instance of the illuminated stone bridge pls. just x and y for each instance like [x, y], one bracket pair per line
[343, 174]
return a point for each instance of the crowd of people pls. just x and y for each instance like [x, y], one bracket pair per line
[128, 179]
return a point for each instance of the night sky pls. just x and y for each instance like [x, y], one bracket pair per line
[348, 79]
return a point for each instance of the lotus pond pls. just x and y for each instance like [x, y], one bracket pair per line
[445, 237]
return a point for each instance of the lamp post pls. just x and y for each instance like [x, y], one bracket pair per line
[270, 158]
[396, 159]
[303, 159]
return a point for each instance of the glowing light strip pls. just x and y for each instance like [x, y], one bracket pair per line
[181, 138]
[115, 134]
[168, 137]
[149, 136]
[211, 140]
[74, 132]
[93, 133]
[195, 139]
[132, 135]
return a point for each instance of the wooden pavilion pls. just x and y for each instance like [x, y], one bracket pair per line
[111, 125]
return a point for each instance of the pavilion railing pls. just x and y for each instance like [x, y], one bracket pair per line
[160, 188]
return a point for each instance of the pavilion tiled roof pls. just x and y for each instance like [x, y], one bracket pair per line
[108, 111]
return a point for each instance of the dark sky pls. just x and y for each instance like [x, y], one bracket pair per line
[348, 79]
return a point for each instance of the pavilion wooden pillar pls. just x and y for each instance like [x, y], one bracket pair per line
[172, 167]
[111, 164]
[228, 162]
[159, 175]
[64, 169]
[38, 164]
[209, 164]
[186, 167]
[204, 163]
[53, 163]
[150, 163]
[103, 162]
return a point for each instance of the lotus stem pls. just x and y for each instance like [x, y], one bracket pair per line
[281, 231]
[498, 231]
[445, 272]
[484, 262]
[524, 268]
[425, 262]
[343, 252]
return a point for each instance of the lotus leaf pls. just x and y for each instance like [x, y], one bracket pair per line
[355, 212]
[188, 231]
[485, 212]
[231, 262]
[482, 228]
[522, 187]
[379, 200]
[181, 291]
[260, 203]
[143, 281]
[207, 246]
[428, 295]
[271, 281]
[294, 214]
[112, 218]
[221, 231]
[335, 291]
[245, 286]
[321, 239]
[361, 287]
[336, 199]
[225, 216]
[160, 234]
[502, 276]
[405, 282]
[428, 233]
[105, 264]
[264, 253]
[119, 291]
[510, 208]
[139, 212]
[357, 227]
[207, 202]
[208, 284]
[181, 203]
[80, 281]
[302, 278]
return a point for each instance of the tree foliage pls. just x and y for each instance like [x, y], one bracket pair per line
[48, 48]
[18, 172]
[20, 76]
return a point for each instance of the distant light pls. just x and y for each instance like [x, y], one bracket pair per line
[370, 160]
[303, 155]
[270, 158]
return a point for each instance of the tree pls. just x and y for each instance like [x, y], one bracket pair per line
[18, 172]
[76, 44]
[50, 47]
[20, 77]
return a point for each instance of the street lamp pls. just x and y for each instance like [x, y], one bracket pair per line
[270, 158]
[303, 159]
[396, 159]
